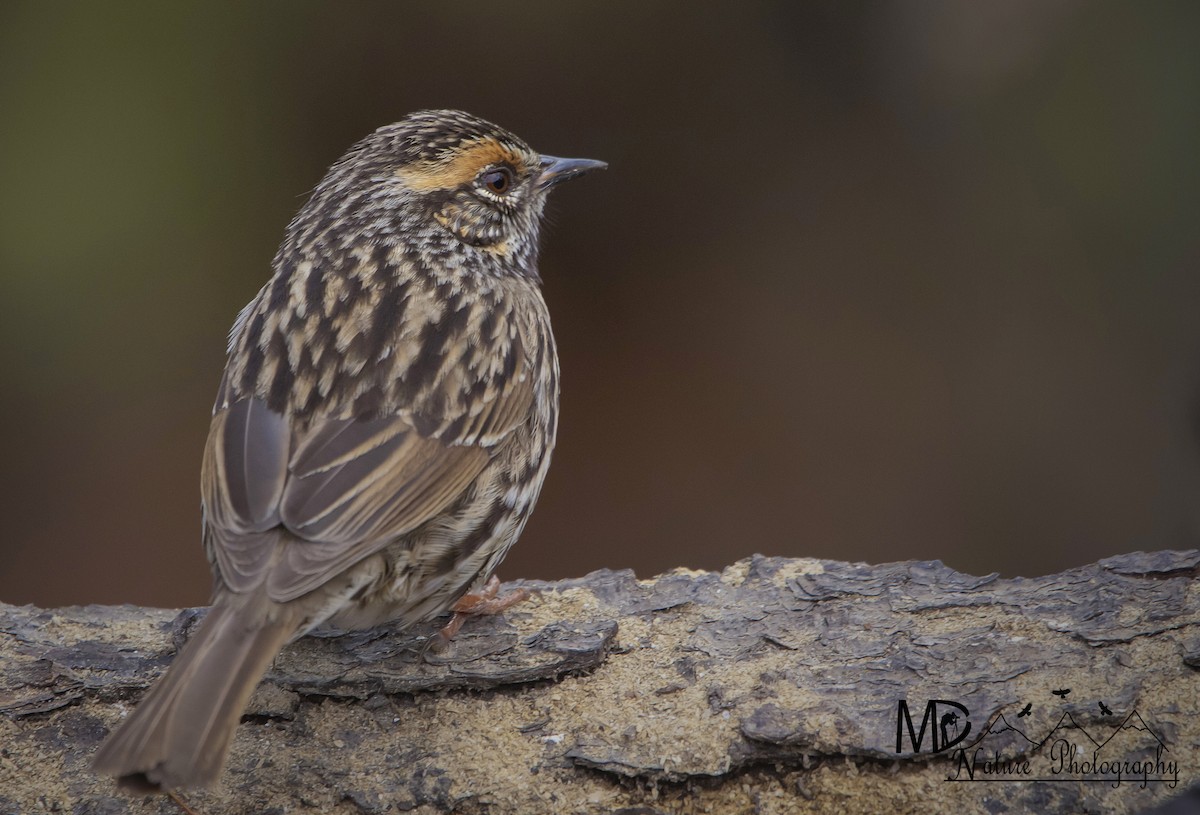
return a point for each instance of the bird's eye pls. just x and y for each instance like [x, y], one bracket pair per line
[498, 180]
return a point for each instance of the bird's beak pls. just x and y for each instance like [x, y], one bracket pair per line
[556, 170]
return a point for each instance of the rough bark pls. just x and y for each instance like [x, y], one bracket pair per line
[771, 687]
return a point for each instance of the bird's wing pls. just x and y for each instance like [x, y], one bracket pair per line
[343, 487]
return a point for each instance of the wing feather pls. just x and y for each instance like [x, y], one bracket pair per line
[293, 502]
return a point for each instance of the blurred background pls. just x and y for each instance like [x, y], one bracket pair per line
[867, 281]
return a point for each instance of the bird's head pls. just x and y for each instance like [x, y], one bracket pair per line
[442, 180]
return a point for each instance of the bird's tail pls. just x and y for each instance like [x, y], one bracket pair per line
[179, 735]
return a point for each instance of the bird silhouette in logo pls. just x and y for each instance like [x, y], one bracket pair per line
[1061, 693]
[1025, 711]
[1104, 709]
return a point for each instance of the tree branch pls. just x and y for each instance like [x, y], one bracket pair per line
[771, 687]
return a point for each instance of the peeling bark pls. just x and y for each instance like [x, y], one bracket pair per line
[771, 687]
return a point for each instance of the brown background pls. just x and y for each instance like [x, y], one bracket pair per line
[864, 281]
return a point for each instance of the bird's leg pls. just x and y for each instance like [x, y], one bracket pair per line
[487, 600]
[179, 802]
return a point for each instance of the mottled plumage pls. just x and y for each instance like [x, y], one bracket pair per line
[383, 426]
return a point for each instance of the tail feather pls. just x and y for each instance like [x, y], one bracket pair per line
[180, 734]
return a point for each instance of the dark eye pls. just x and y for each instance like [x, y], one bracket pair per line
[498, 180]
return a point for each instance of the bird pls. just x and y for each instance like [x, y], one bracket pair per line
[1061, 692]
[1025, 710]
[382, 429]
[1105, 710]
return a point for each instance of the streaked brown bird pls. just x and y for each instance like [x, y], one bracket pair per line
[383, 426]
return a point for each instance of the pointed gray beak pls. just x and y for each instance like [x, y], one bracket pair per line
[556, 170]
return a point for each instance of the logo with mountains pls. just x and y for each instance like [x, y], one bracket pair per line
[1126, 751]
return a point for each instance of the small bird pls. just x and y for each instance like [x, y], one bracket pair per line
[1061, 692]
[383, 426]
[1105, 710]
[1025, 710]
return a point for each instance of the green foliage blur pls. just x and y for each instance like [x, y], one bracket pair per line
[866, 281]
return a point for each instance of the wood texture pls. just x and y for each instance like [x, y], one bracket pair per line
[771, 687]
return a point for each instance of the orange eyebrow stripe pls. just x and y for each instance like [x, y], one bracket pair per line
[458, 168]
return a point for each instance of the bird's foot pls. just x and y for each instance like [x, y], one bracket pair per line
[179, 802]
[487, 600]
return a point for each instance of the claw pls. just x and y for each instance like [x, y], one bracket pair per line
[487, 600]
[179, 802]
